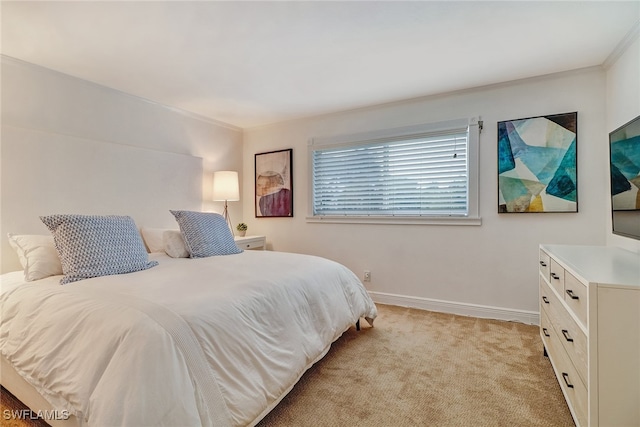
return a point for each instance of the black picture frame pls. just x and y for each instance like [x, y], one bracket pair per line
[538, 164]
[274, 184]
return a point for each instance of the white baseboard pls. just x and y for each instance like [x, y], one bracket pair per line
[464, 309]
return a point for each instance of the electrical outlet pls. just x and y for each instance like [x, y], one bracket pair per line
[367, 276]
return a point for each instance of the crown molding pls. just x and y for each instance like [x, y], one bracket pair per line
[632, 35]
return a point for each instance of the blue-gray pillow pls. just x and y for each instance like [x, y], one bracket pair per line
[94, 245]
[206, 234]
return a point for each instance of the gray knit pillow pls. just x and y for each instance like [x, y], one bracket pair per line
[93, 245]
[206, 234]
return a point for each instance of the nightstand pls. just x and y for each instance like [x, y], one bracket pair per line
[251, 242]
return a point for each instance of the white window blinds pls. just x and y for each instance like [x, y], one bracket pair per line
[422, 174]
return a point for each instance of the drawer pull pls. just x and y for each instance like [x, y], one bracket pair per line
[555, 276]
[566, 335]
[570, 293]
[545, 332]
[542, 263]
[545, 299]
[565, 376]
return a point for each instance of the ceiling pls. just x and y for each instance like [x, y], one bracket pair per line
[255, 63]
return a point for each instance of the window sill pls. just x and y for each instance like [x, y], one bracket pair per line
[406, 220]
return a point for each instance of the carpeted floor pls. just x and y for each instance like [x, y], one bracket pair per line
[420, 368]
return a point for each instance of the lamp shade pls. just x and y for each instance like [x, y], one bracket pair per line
[225, 186]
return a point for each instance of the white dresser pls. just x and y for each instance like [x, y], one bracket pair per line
[590, 326]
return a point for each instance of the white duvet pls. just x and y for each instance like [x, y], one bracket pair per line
[214, 341]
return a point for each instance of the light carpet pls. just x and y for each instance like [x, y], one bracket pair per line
[421, 368]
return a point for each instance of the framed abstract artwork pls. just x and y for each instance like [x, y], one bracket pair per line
[537, 164]
[274, 184]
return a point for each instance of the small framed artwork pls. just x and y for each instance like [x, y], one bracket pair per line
[274, 184]
[537, 164]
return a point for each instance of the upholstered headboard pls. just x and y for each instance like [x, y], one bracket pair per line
[44, 173]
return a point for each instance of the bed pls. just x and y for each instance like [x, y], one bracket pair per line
[211, 341]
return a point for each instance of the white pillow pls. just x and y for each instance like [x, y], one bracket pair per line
[37, 254]
[174, 244]
[153, 239]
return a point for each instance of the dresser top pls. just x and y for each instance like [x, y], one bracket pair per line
[605, 265]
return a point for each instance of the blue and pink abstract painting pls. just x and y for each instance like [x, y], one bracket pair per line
[537, 164]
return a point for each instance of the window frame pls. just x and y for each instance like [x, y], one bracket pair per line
[473, 212]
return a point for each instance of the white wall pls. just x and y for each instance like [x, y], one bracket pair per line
[467, 267]
[44, 105]
[623, 104]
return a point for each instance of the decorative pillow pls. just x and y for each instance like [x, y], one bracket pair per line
[206, 234]
[174, 244]
[93, 246]
[153, 238]
[37, 254]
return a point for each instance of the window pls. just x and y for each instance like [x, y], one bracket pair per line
[418, 174]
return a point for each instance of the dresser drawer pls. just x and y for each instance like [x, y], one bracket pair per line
[574, 389]
[251, 242]
[250, 245]
[548, 300]
[556, 276]
[576, 297]
[549, 337]
[545, 263]
[573, 339]
[546, 329]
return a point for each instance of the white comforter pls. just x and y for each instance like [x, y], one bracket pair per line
[215, 341]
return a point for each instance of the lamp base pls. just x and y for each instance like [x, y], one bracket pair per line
[227, 218]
